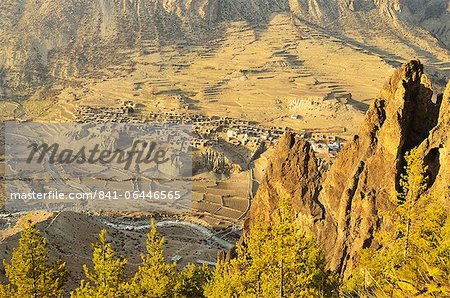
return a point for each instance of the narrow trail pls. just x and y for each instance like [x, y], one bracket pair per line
[171, 223]
[250, 194]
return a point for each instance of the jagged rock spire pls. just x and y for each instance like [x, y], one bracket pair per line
[342, 206]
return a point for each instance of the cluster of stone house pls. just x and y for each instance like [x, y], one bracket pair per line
[325, 145]
[101, 114]
[208, 130]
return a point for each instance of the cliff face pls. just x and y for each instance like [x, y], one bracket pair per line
[436, 148]
[216, 161]
[365, 175]
[293, 172]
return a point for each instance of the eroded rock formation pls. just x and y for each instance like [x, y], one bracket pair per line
[293, 172]
[436, 148]
[212, 160]
[342, 206]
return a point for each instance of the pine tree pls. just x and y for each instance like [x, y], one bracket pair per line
[191, 281]
[29, 273]
[227, 279]
[414, 185]
[411, 259]
[278, 259]
[106, 279]
[5, 291]
[154, 278]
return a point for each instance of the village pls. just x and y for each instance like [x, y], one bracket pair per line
[208, 130]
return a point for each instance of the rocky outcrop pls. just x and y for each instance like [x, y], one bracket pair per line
[215, 161]
[436, 148]
[358, 186]
[293, 172]
[365, 175]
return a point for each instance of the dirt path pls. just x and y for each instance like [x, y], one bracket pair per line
[170, 223]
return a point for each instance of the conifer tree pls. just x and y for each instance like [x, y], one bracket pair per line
[106, 279]
[411, 258]
[278, 259]
[413, 184]
[29, 273]
[154, 278]
[191, 281]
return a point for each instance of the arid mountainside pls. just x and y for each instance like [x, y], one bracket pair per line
[401, 15]
[343, 205]
[43, 41]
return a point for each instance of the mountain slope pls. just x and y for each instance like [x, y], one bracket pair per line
[43, 41]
